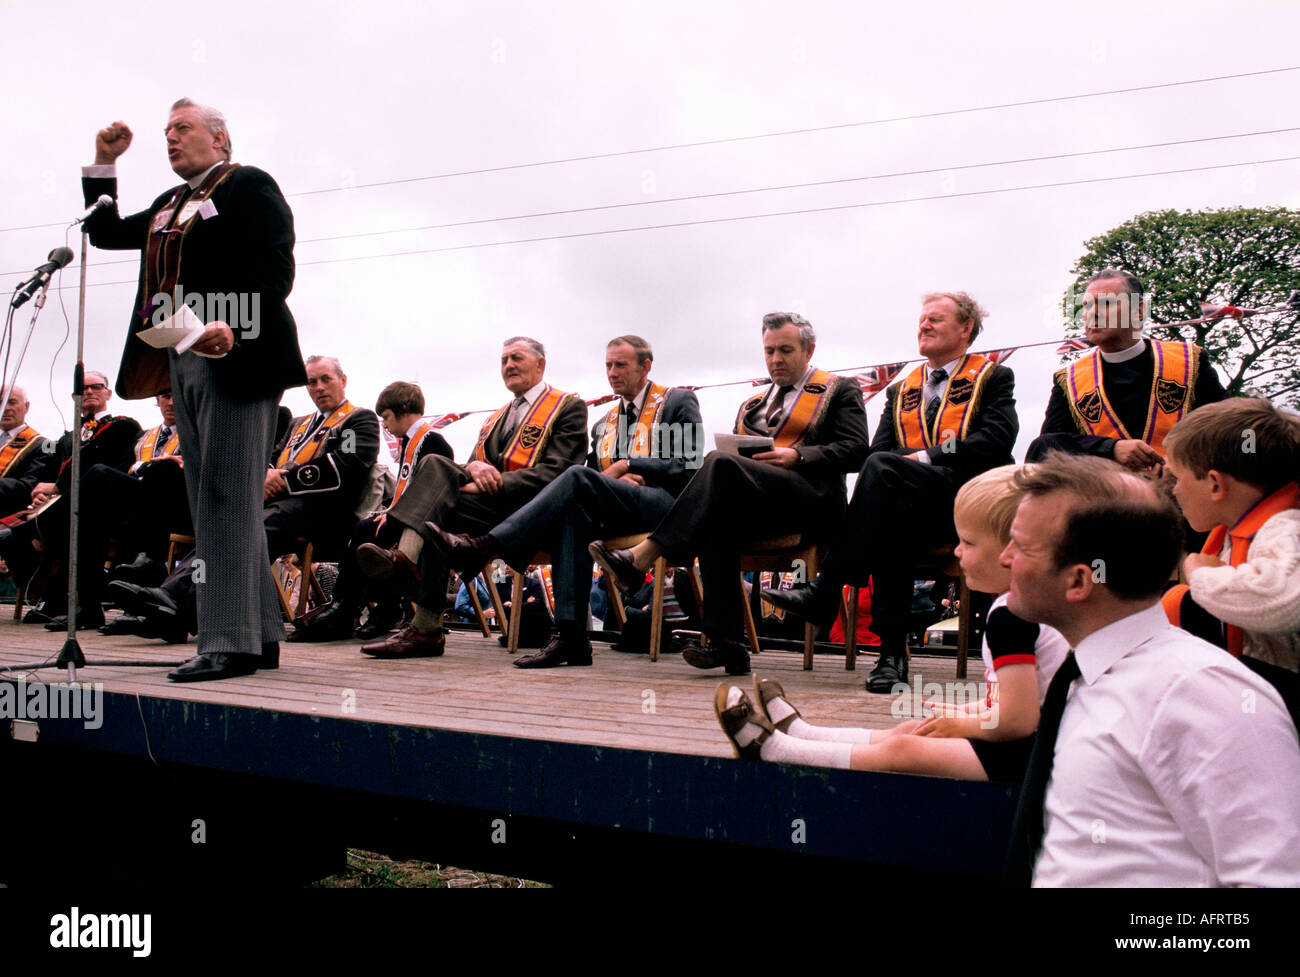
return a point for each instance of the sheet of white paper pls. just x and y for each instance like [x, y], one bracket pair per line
[181, 330]
[746, 445]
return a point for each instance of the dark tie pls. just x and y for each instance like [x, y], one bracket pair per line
[937, 377]
[315, 423]
[164, 434]
[1027, 828]
[513, 417]
[629, 426]
[774, 409]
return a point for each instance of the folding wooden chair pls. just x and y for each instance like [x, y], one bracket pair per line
[782, 554]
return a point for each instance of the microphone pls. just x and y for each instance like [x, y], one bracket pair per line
[104, 201]
[58, 258]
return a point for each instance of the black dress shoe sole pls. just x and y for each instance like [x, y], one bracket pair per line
[804, 605]
[235, 670]
[623, 575]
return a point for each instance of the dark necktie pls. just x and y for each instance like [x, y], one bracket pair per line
[315, 423]
[775, 409]
[629, 427]
[1027, 828]
[513, 417]
[163, 434]
[937, 377]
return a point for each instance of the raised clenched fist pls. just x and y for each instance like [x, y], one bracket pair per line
[111, 142]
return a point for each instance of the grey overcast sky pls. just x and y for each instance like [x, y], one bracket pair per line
[332, 97]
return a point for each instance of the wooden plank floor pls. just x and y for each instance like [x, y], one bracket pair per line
[623, 700]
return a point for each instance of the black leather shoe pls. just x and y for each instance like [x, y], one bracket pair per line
[332, 622]
[619, 564]
[889, 670]
[205, 668]
[126, 624]
[43, 614]
[137, 600]
[558, 651]
[731, 655]
[270, 659]
[816, 602]
[85, 620]
[143, 571]
[379, 624]
[408, 643]
[464, 555]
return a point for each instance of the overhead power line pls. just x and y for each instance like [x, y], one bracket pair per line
[1023, 103]
[784, 213]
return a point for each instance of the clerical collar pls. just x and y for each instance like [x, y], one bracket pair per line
[638, 401]
[197, 181]
[1125, 354]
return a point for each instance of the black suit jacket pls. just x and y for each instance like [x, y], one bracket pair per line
[340, 470]
[566, 446]
[683, 443]
[246, 250]
[989, 441]
[1131, 400]
[16, 487]
[835, 443]
[113, 444]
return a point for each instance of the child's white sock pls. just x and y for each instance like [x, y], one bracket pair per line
[828, 734]
[781, 748]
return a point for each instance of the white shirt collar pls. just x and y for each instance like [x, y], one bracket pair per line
[1125, 354]
[532, 394]
[948, 368]
[410, 431]
[1104, 647]
[638, 401]
[196, 182]
[102, 413]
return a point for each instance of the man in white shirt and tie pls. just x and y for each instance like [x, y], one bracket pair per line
[1160, 759]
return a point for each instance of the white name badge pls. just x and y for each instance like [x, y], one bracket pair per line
[188, 211]
[207, 209]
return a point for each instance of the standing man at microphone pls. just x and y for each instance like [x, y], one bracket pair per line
[222, 243]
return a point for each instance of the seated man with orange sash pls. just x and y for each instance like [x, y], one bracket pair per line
[1119, 400]
[950, 419]
[322, 467]
[401, 409]
[819, 433]
[521, 448]
[22, 453]
[643, 452]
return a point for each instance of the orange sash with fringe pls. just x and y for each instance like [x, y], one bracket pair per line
[957, 409]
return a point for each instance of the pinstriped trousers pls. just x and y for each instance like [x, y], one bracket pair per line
[225, 446]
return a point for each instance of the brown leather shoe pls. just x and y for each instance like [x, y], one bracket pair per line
[378, 563]
[558, 651]
[720, 653]
[408, 643]
[464, 555]
[618, 563]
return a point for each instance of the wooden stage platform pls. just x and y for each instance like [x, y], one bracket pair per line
[557, 774]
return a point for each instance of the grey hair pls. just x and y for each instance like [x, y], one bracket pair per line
[528, 341]
[968, 310]
[212, 119]
[779, 320]
[331, 360]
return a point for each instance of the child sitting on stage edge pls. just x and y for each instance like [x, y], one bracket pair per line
[1235, 465]
[989, 740]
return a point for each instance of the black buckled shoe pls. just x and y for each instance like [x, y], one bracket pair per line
[618, 563]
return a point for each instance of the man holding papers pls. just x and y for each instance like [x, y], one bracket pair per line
[221, 244]
[819, 432]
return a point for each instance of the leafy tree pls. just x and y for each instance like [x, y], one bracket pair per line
[1247, 257]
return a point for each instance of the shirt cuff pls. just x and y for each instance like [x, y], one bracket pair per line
[924, 457]
[100, 171]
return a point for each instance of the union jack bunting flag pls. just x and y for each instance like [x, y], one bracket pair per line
[874, 379]
[601, 400]
[1072, 346]
[1001, 355]
[442, 420]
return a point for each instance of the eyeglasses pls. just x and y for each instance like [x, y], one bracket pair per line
[94, 386]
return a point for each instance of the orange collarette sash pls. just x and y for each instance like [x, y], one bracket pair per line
[1287, 497]
[957, 409]
[295, 452]
[1172, 383]
[17, 447]
[809, 408]
[166, 238]
[408, 457]
[642, 445]
[146, 449]
[530, 437]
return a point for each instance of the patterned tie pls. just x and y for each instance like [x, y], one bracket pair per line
[776, 408]
[513, 418]
[1027, 828]
[937, 377]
